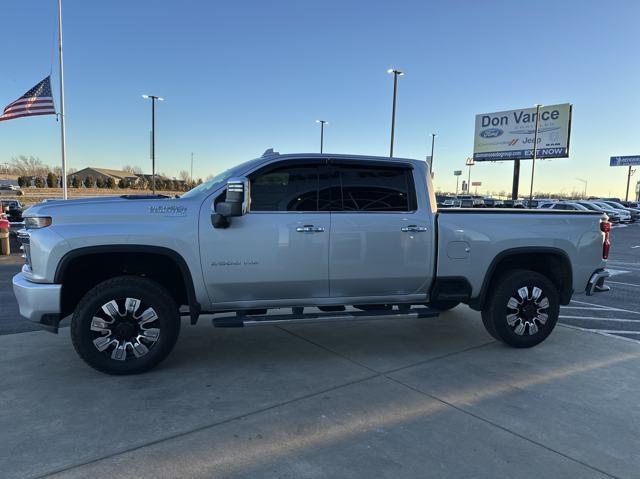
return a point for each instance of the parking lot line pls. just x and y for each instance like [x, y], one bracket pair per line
[600, 319]
[605, 308]
[626, 284]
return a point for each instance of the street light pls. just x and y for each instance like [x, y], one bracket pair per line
[322, 123]
[584, 196]
[396, 74]
[153, 138]
[433, 140]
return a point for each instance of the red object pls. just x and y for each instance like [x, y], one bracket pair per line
[4, 223]
[605, 227]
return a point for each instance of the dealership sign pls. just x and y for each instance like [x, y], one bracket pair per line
[509, 135]
[624, 160]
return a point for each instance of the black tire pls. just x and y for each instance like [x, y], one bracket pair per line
[518, 321]
[441, 305]
[132, 333]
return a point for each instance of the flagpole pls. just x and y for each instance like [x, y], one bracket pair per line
[63, 141]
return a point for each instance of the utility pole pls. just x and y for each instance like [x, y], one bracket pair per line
[191, 174]
[396, 74]
[631, 172]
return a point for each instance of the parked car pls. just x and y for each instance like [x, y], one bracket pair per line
[296, 231]
[614, 216]
[469, 201]
[513, 204]
[452, 203]
[625, 216]
[493, 203]
[635, 214]
[13, 209]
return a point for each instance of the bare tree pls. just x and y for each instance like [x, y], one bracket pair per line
[184, 176]
[136, 170]
[28, 166]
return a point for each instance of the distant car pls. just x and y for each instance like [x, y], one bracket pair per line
[469, 201]
[493, 203]
[635, 213]
[613, 216]
[10, 187]
[625, 216]
[566, 206]
[513, 204]
[452, 203]
[13, 209]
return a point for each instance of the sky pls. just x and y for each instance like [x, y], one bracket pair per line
[243, 76]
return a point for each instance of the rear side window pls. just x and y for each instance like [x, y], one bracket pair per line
[375, 189]
[286, 189]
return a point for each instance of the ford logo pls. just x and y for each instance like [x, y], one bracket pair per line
[491, 132]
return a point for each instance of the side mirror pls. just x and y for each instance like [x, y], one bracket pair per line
[235, 204]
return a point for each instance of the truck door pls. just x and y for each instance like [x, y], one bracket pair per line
[279, 249]
[381, 232]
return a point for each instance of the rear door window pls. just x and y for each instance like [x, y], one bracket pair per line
[374, 189]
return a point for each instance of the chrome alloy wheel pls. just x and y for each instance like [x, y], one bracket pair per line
[125, 329]
[528, 311]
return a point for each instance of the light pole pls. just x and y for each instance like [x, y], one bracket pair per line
[584, 182]
[535, 151]
[191, 174]
[322, 123]
[153, 138]
[433, 141]
[396, 74]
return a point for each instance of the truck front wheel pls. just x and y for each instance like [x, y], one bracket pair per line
[125, 325]
[522, 309]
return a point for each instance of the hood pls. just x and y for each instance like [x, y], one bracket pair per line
[60, 206]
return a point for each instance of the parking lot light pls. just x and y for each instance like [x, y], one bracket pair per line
[396, 74]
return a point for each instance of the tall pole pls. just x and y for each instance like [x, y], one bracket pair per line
[516, 180]
[322, 123]
[191, 175]
[153, 99]
[63, 141]
[153, 145]
[626, 197]
[396, 73]
[535, 151]
[433, 141]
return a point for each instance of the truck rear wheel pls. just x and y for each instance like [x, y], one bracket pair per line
[522, 309]
[125, 325]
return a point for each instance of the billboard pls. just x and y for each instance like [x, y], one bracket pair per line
[624, 160]
[509, 135]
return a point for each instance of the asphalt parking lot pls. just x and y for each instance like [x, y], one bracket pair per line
[394, 398]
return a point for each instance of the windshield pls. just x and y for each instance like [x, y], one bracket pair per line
[589, 206]
[616, 205]
[218, 180]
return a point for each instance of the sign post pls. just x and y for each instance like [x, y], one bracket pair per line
[469, 163]
[457, 174]
[626, 161]
[476, 184]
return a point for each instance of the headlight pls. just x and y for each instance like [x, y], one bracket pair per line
[36, 222]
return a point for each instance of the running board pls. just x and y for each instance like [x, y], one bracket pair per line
[240, 321]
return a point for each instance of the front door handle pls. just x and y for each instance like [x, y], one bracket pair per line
[413, 229]
[310, 229]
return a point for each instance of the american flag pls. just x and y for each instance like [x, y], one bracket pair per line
[37, 101]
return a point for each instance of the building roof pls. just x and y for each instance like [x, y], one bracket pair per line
[119, 174]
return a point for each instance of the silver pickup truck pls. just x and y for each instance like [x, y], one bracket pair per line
[296, 237]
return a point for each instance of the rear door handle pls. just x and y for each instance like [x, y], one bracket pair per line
[310, 229]
[413, 229]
